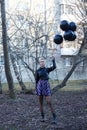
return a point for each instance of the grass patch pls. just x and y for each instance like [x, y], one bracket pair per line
[74, 85]
[17, 86]
[73, 88]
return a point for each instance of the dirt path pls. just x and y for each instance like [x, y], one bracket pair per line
[23, 113]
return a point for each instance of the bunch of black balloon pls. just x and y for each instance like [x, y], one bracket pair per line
[69, 29]
[69, 32]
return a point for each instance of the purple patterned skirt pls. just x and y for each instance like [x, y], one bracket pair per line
[43, 88]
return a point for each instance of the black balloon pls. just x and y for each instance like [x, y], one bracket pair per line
[72, 26]
[64, 25]
[73, 37]
[69, 35]
[58, 39]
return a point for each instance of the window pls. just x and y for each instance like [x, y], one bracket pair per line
[84, 0]
[2, 60]
[20, 17]
[86, 11]
[39, 8]
[62, 9]
[67, 61]
[25, 43]
[22, 6]
[69, 9]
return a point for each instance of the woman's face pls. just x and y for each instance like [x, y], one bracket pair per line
[42, 63]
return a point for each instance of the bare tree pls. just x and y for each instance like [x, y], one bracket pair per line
[5, 50]
[17, 73]
[27, 40]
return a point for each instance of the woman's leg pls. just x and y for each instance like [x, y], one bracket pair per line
[41, 106]
[48, 99]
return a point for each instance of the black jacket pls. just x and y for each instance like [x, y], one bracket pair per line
[43, 73]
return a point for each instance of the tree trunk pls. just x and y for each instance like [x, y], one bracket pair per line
[5, 50]
[0, 87]
[0, 80]
[22, 85]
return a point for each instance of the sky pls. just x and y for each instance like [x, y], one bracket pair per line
[34, 5]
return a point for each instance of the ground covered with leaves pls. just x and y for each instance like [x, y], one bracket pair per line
[23, 112]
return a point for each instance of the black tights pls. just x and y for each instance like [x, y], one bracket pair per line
[48, 100]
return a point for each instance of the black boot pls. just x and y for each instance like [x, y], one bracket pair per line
[54, 119]
[42, 115]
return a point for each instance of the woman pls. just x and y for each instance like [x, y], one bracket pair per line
[43, 87]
